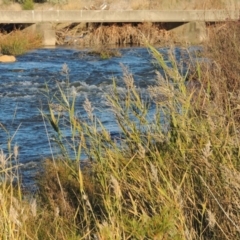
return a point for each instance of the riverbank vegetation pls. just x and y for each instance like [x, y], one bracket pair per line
[19, 42]
[174, 175]
[111, 34]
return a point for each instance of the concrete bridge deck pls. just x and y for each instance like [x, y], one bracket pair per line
[36, 16]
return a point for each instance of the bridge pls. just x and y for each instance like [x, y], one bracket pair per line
[40, 16]
[193, 21]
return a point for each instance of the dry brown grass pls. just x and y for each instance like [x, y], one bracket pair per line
[222, 47]
[18, 42]
[115, 34]
[186, 5]
[12, 6]
[141, 4]
[150, 4]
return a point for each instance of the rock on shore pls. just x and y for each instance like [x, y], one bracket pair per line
[7, 58]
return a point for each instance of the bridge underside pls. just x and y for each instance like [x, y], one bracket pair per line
[186, 25]
[187, 32]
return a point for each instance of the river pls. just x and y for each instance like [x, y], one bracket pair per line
[23, 84]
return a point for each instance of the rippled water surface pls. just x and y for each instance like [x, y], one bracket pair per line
[22, 85]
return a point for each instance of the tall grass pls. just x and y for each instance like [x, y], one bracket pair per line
[174, 175]
[18, 42]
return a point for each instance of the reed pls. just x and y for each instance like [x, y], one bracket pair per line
[125, 34]
[165, 178]
[18, 42]
[174, 172]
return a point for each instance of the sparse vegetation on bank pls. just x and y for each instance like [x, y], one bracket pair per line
[111, 34]
[104, 52]
[175, 175]
[19, 42]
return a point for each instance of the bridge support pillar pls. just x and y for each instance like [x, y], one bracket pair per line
[47, 32]
[191, 32]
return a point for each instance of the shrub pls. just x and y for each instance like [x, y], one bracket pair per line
[18, 42]
[28, 5]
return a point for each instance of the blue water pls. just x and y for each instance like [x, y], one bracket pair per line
[23, 84]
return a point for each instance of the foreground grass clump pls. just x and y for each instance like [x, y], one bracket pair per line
[174, 173]
[19, 42]
[173, 177]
